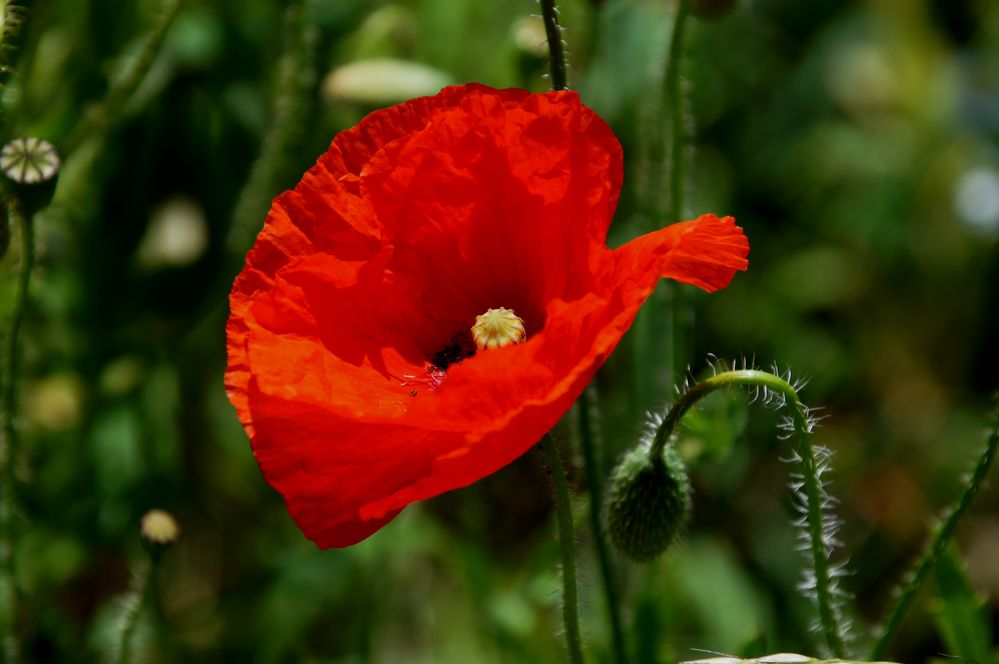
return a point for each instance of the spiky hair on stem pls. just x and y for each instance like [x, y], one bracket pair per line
[815, 521]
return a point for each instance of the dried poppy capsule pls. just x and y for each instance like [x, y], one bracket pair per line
[649, 503]
[32, 165]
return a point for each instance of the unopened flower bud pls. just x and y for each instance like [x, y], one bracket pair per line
[159, 530]
[649, 503]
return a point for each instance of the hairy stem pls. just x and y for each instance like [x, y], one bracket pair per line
[813, 491]
[556, 49]
[292, 105]
[135, 602]
[9, 644]
[677, 113]
[102, 119]
[11, 17]
[567, 540]
[587, 439]
[941, 537]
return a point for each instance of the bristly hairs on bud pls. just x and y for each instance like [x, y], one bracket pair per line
[816, 523]
[648, 505]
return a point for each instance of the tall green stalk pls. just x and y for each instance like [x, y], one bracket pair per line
[556, 48]
[563, 501]
[567, 542]
[292, 105]
[942, 536]
[676, 103]
[588, 437]
[9, 644]
[104, 116]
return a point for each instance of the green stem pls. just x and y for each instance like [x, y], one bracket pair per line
[677, 308]
[11, 17]
[567, 540]
[8, 437]
[292, 104]
[587, 439]
[942, 536]
[102, 119]
[813, 489]
[138, 597]
[556, 49]
[677, 113]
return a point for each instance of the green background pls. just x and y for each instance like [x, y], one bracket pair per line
[856, 143]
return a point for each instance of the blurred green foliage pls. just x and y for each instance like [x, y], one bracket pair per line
[856, 142]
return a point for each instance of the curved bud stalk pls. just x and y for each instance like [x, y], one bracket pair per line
[818, 526]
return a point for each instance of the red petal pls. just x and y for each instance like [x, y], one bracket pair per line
[415, 221]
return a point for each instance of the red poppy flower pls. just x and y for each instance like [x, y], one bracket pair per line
[350, 362]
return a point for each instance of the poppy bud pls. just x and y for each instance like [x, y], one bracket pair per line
[649, 503]
[159, 531]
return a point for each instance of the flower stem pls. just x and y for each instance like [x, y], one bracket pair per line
[942, 536]
[813, 490]
[678, 312]
[9, 645]
[135, 602]
[101, 119]
[677, 113]
[587, 438]
[292, 105]
[567, 540]
[556, 48]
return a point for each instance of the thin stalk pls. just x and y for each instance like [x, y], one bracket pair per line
[567, 540]
[292, 105]
[101, 119]
[8, 434]
[677, 306]
[673, 89]
[556, 49]
[138, 597]
[9, 644]
[11, 18]
[942, 536]
[587, 440]
[813, 490]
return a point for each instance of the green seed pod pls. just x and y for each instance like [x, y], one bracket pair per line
[649, 503]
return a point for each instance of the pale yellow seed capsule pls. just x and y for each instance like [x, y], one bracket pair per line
[160, 527]
[497, 328]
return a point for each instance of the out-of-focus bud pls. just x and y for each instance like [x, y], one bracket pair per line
[177, 235]
[649, 503]
[382, 81]
[159, 531]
